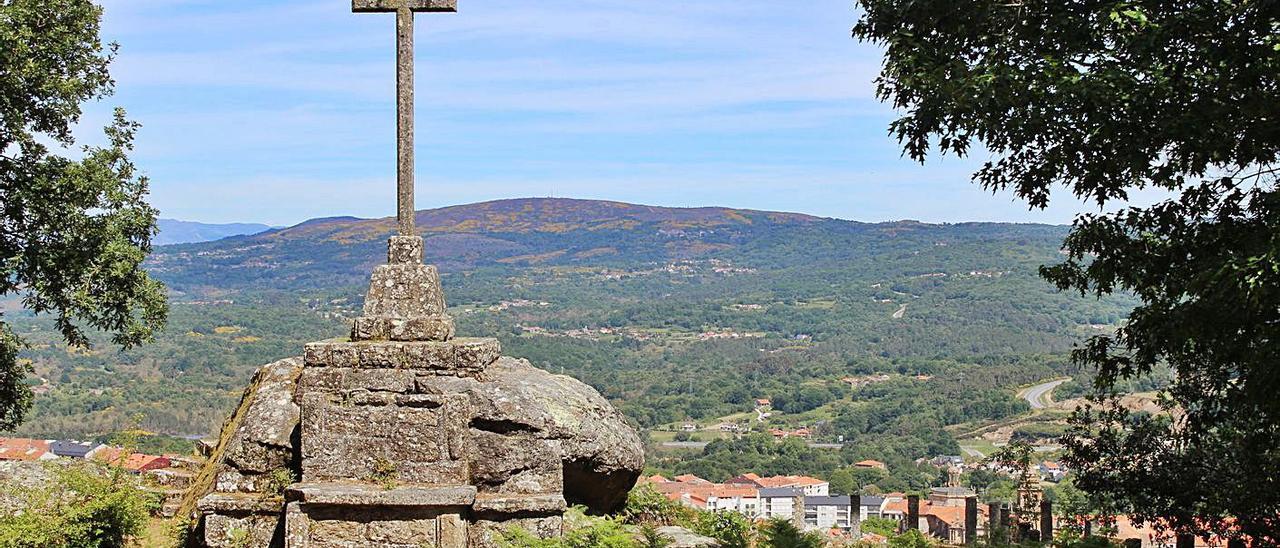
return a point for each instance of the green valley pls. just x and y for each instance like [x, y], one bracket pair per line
[677, 315]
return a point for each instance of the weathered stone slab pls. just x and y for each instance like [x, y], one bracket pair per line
[237, 531]
[485, 533]
[374, 6]
[425, 328]
[550, 503]
[310, 525]
[405, 290]
[344, 379]
[465, 355]
[232, 520]
[238, 503]
[363, 527]
[382, 437]
[347, 494]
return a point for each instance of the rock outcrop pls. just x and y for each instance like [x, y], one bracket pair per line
[403, 435]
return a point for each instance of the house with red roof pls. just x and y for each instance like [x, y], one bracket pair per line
[133, 462]
[23, 449]
[803, 433]
[869, 463]
[808, 485]
[939, 520]
[1052, 471]
[691, 479]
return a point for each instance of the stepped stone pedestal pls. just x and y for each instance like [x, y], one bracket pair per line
[404, 435]
[387, 455]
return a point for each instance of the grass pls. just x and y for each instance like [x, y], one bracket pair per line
[978, 444]
[157, 534]
[664, 436]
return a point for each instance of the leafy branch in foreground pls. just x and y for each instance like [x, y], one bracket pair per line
[1105, 99]
[73, 232]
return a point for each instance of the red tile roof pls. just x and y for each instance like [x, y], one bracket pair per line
[134, 462]
[23, 449]
[952, 515]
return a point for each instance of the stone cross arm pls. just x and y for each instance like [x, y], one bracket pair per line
[383, 6]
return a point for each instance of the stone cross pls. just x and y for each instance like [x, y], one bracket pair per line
[404, 10]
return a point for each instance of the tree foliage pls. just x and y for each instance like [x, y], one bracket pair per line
[911, 538]
[81, 504]
[1104, 98]
[73, 232]
[782, 533]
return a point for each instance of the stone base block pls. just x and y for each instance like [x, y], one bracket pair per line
[233, 520]
[425, 328]
[463, 356]
[382, 437]
[354, 494]
[489, 534]
[404, 290]
[404, 249]
[489, 505]
[322, 526]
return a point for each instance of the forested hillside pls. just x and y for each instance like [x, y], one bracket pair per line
[675, 314]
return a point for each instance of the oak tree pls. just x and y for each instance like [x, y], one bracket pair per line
[1099, 99]
[75, 226]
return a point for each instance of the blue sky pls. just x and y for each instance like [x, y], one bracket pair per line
[278, 111]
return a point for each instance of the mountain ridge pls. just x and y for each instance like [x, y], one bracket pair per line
[552, 232]
[527, 215]
[556, 215]
[175, 231]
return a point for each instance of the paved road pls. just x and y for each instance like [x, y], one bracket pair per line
[1040, 396]
[686, 444]
[703, 444]
[973, 452]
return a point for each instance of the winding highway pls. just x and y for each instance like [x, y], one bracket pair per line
[1040, 396]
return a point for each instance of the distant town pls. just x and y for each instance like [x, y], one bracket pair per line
[166, 476]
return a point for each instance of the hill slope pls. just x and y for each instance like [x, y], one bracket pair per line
[675, 314]
[551, 232]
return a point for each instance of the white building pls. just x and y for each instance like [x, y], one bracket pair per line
[781, 502]
[730, 498]
[870, 507]
[824, 512]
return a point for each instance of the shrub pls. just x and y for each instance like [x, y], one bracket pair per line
[84, 504]
[911, 538]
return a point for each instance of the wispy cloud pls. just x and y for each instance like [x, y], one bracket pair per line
[278, 111]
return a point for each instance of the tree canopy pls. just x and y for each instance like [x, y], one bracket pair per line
[73, 231]
[1101, 99]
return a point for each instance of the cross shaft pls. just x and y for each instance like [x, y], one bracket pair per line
[404, 10]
